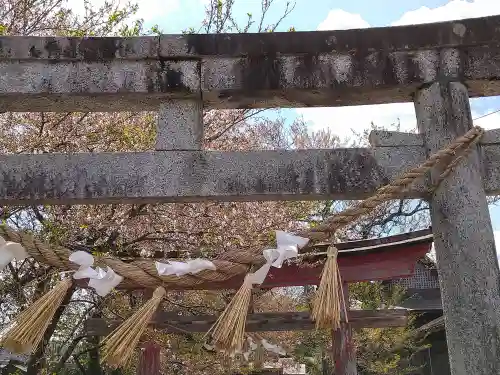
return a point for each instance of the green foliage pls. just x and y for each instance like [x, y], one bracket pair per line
[155, 30]
[189, 31]
[134, 30]
[374, 295]
[312, 350]
[383, 350]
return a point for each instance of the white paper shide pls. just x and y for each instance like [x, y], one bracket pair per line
[10, 251]
[174, 268]
[287, 247]
[102, 281]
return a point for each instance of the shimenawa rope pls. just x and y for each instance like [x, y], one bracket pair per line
[232, 263]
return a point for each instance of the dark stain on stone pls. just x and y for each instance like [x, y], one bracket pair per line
[307, 70]
[261, 73]
[171, 80]
[35, 185]
[308, 180]
[35, 53]
[335, 175]
[52, 47]
[233, 185]
[224, 94]
[388, 72]
[166, 78]
[260, 186]
[98, 49]
[71, 51]
[484, 30]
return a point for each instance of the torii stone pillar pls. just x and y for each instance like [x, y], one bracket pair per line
[180, 125]
[463, 237]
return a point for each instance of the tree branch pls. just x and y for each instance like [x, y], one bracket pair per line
[67, 353]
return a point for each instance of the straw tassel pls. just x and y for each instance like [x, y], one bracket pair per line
[229, 330]
[329, 296]
[26, 332]
[119, 346]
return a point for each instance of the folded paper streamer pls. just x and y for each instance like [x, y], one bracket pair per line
[105, 282]
[251, 347]
[85, 261]
[272, 348]
[10, 251]
[287, 247]
[102, 281]
[183, 268]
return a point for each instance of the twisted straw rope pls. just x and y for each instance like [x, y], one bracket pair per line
[458, 148]
[143, 273]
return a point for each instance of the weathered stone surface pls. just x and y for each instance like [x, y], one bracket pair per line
[189, 176]
[328, 68]
[290, 81]
[86, 49]
[120, 84]
[383, 138]
[470, 32]
[340, 78]
[463, 238]
[180, 176]
[180, 125]
[491, 137]
[478, 31]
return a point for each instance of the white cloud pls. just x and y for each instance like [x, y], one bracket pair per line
[341, 120]
[455, 9]
[358, 118]
[338, 19]
[344, 120]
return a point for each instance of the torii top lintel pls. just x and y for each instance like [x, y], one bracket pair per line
[317, 68]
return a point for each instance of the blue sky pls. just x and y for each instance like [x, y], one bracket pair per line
[173, 16]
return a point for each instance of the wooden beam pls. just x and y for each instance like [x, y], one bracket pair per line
[430, 327]
[343, 348]
[258, 322]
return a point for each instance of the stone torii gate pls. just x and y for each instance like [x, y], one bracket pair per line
[437, 66]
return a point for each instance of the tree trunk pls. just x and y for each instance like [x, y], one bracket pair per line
[68, 352]
[344, 353]
[94, 363]
[149, 359]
